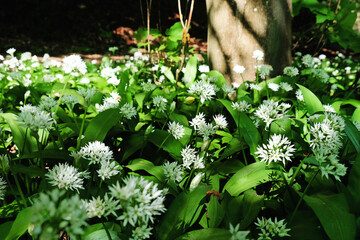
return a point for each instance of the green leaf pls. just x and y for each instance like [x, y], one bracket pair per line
[353, 133]
[250, 207]
[175, 32]
[142, 164]
[133, 143]
[354, 186]
[32, 170]
[124, 77]
[191, 70]
[162, 139]
[207, 234]
[20, 225]
[169, 75]
[5, 229]
[313, 104]
[248, 177]
[141, 34]
[18, 132]
[100, 125]
[333, 212]
[180, 213]
[101, 235]
[356, 115]
[215, 212]
[247, 127]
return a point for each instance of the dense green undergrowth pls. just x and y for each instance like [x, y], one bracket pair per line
[164, 148]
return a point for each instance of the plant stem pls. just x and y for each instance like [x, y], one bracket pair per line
[302, 196]
[12, 190]
[19, 189]
[163, 142]
[81, 131]
[296, 173]
[23, 148]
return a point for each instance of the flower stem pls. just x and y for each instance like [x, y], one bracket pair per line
[12, 190]
[20, 191]
[296, 173]
[81, 131]
[302, 196]
[106, 230]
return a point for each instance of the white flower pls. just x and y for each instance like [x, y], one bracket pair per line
[11, 51]
[274, 86]
[347, 70]
[357, 125]
[271, 110]
[109, 102]
[108, 169]
[34, 118]
[279, 148]
[329, 108]
[72, 63]
[96, 152]
[128, 111]
[199, 162]
[272, 228]
[258, 55]
[69, 99]
[204, 90]
[291, 71]
[48, 104]
[197, 121]
[196, 181]
[238, 69]
[97, 207]
[87, 94]
[148, 86]
[322, 56]
[228, 89]
[299, 95]
[176, 129]
[264, 70]
[173, 171]
[286, 86]
[206, 130]
[255, 86]
[204, 68]
[242, 106]
[65, 176]
[2, 188]
[220, 121]
[141, 232]
[307, 60]
[188, 155]
[160, 103]
[235, 85]
[84, 80]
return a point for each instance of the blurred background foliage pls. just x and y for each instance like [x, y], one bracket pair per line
[92, 26]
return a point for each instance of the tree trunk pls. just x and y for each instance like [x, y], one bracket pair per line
[236, 28]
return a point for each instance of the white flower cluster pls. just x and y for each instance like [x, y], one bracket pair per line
[206, 130]
[109, 102]
[2, 188]
[326, 141]
[34, 118]
[148, 86]
[242, 106]
[173, 171]
[270, 229]
[128, 111]
[139, 201]
[110, 75]
[48, 104]
[74, 63]
[97, 207]
[263, 70]
[291, 71]
[190, 157]
[65, 176]
[227, 89]
[271, 110]
[206, 91]
[279, 148]
[176, 129]
[98, 153]
[160, 103]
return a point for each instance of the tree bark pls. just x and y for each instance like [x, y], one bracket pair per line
[236, 28]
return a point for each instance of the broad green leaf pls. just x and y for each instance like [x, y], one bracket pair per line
[101, 235]
[141, 34]
[313, 104]
[248, 177]
[207, 234]
[99, 226]
[191, 70]
[168, 73]
[124, 77]
[46, 154]
[306, 226]
[180, 213]
[356, 115]
[100, 125]
[5, 229]
[353, 133]
[333, 212]
[20, 224]
[215, 212]
[163, 139]
[247, 127]
[175, 32]
[142, 164]
[32, 170]
[132, 144]
[18, 132]
[251, 205]
[354, 186]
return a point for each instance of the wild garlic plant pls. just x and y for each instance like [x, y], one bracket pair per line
[135, 149]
